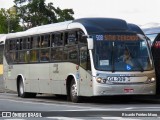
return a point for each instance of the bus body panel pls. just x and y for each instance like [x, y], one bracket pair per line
[47, 78]
[86, 83]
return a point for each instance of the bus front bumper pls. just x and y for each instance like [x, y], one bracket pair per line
[134, 89]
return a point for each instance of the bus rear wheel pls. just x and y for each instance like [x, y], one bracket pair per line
[73, 92]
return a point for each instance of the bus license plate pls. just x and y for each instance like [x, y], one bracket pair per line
[128, 90]
[116, 79]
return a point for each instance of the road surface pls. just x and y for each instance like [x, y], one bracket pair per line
[50, 107]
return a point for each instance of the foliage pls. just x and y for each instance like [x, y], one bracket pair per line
[37, 13]
[3, 22]
[34, 13]
[9, 22]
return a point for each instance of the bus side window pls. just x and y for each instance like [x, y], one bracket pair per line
[21, 54]
[81, 37]
[7, 46]
[44, 55]
[12, 44]
[52, 40]
[72, 37]
[34, 53]
[34, 42]
[26, 47]
[57, 54]
[20, 44]
[26, 43]
[57, 39]
[45, 41]
[72, 52]
[57, 49]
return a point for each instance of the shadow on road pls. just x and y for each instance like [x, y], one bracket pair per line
[108, 99]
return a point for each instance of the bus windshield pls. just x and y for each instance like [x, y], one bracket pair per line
[122, 52]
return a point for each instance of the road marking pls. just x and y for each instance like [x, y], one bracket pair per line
[130, 108]
[64, 118]
[14, 119]
[119, 118]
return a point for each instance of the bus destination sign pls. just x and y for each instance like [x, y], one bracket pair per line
[117, 37]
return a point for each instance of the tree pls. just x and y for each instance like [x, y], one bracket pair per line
[37, 13]
[9, 22]
[3, 23]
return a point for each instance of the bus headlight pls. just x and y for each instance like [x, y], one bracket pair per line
[151, 80]
[101, 80]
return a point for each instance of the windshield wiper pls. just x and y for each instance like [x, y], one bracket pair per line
[138, 64]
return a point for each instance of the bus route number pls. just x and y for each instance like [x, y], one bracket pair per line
[99, 37]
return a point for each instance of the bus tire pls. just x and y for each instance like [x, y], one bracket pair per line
[73, 92]
[21, 90]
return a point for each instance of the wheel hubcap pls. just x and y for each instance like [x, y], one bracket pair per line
[74, 90]
[21, 88]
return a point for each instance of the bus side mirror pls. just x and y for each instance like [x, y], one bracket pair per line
[90, 43]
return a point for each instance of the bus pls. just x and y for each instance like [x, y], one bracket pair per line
[83, 57]
[2, 39]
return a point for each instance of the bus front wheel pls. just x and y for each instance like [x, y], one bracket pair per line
[73, 92]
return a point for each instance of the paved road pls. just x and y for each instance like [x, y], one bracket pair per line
[51, 107]
[57, 108]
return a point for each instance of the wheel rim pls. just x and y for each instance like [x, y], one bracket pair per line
[21, 88]
[74, 90]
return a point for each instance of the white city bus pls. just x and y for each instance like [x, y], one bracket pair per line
[83, 57]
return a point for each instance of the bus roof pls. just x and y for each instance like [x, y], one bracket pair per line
[89, 25]
[94, 25]
[41, 29]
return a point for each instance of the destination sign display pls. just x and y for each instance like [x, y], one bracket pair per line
[121, 37]
[118, 37]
